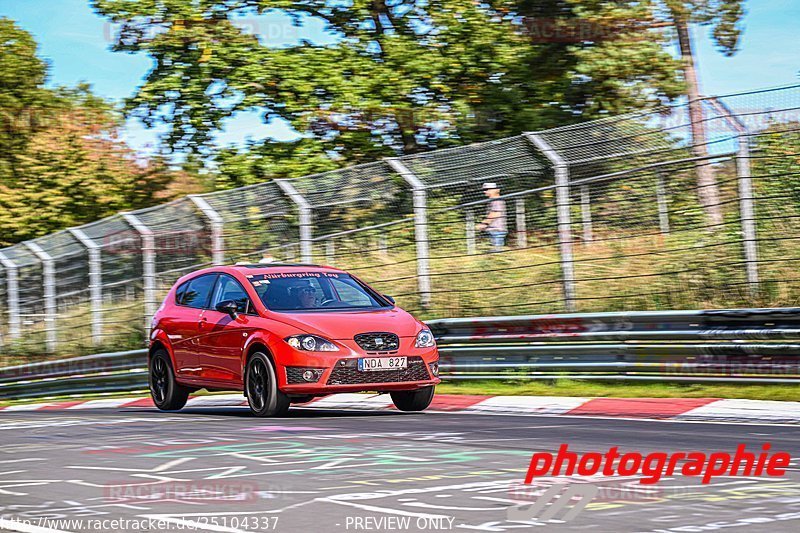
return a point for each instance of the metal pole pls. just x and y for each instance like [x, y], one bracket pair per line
[95, 283]
[217, 225]
[304, 209]
[746, 204]
[148, 268]
[329, 251]
[383, 245]
[420, 197]
[12, 288]
[49, 285]
[522, 230]
[470, 229]
[563, 213]
[586, 213]
[663, 207]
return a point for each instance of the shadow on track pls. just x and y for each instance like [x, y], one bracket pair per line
[243, 412]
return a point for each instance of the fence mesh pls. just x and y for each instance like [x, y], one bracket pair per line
[638, 229]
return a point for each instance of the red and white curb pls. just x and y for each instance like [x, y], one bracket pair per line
[679, 409]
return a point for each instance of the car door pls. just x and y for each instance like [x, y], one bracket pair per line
[191, 299]
[222, 338]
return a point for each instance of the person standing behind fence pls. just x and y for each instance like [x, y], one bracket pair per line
[495, 222]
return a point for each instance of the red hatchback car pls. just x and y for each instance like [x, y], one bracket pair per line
[285, 333]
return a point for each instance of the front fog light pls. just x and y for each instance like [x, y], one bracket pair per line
[435, 369]
[310, 375]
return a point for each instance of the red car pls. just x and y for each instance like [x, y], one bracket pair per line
[285, 333]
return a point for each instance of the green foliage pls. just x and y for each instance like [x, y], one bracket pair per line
[400, 77]
[61, 160]
[724, 17]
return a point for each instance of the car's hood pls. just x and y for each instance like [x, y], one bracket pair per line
[341, 325]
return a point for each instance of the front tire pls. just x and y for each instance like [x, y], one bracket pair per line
[414, 400]
[167, 394]
[261, 387]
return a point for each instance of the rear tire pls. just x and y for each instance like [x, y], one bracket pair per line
[414, 400]
[167, 394]
[261, 388]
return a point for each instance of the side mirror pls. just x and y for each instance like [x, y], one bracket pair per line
[388, 298]
[229, 307]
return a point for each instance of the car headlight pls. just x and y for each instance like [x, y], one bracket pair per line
[311, 343]
[425, 339]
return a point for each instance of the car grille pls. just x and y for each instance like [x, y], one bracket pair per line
[346, 373]
[378, 341]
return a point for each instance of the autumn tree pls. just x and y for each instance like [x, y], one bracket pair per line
[62, 162]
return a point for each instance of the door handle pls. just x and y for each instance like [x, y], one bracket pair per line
[202, 323]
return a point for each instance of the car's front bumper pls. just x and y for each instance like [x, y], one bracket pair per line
[339, 373]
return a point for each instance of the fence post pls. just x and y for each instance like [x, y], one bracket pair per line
[586, 213]
[470, 230]
[217, 225]
[95, 282]
[12, 289]
[420, 228]
[330, 252]
[148, 268]
[304, 209]
[522, 230]
[563, 213]
[49, 294]
[746, 205]
[663, 206]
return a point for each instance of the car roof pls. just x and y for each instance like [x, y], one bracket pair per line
[266, 268]
[250, 269]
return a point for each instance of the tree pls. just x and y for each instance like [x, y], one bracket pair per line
[23, 101]
[62, 162]
[725, 17]
[401, 77]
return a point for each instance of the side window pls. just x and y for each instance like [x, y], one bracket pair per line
[229, 289]
[198, 291]
[180, 294]
[350, 294]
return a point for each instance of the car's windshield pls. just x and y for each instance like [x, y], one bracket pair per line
[313, 291]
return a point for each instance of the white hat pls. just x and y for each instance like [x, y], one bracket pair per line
[489, 185]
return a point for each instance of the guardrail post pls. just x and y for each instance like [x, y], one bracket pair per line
[586, 213]
[95, 282]
[49, 294]
[746, 205]
[663, 207]
[522, 230]
[420, 228]
[563, 213]
[304, 209]
[12, 293]
[148, 268]
[217, 225]
[470, 230]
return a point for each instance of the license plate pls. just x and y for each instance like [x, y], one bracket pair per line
[372, 364]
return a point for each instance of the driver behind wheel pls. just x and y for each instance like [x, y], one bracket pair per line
[304, 294]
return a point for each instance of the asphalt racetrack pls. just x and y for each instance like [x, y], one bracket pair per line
[221, 469]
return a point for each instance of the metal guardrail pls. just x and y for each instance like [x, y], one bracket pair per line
[738, 345]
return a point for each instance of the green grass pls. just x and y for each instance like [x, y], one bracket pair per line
[568, 387]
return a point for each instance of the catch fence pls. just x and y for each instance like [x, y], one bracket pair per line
[631, 212]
